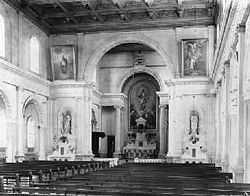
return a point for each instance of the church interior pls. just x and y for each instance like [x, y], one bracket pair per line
[136, 84]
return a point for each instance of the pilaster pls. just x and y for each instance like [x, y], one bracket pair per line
[118, 111]
[162, 127]
[20, 124]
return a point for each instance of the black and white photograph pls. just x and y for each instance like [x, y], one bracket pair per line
[124, 97]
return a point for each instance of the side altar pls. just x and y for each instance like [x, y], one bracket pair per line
[63, 141]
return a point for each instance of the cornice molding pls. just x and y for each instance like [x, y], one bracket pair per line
[113, 95]
[5, 65]
[188, 81]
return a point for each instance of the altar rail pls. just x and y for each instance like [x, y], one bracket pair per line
[112, 161]
[136, 160]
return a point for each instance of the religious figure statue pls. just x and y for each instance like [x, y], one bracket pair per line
[64, 123]
[67, 124]
[194, 127]
[93, 120]
[143, 99]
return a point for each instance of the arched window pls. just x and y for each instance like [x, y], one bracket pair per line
[30, 132]
[2, 37]
[34, 54]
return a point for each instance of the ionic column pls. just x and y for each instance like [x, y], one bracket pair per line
[118, 110]
[20, 125]
[162, 131]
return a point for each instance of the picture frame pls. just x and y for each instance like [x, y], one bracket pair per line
[194, 57]
[63, 62]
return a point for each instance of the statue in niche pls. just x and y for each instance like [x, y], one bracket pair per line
[66, 128]
[194, 127]
[64, 139]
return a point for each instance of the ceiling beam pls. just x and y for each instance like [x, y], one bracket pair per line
[111, 10]
[94, 12]
[32, 2]
[152, 14]
[118, 9]
[65, 10]
[189, 21]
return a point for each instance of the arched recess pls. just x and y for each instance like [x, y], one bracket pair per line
[32, 122]
[140, 69]
[92, 63]
[202, 126]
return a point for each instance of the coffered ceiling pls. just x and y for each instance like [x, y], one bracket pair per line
[72, 16]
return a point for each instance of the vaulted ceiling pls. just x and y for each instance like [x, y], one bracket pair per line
[72, 16]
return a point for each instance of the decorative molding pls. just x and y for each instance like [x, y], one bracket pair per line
[189, 81]
[71, 84]
[23, 73]
[113, 95]
[141, 69]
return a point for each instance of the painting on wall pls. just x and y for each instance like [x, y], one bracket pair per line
[194, 57]
[142, 105]
[63, 62]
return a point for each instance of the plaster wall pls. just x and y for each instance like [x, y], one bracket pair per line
[19, 85]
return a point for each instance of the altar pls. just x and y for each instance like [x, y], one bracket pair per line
[140, 145]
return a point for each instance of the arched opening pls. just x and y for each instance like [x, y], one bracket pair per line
[31, 129]
[142, 116]
[2, 37]
[3, 130]
[135, 65]
[34, 54]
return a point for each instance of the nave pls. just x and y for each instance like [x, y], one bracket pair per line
[101, 178]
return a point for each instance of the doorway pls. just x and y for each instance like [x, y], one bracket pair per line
[111, 146]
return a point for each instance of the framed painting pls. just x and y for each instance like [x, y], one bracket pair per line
[63, 62]
[194, 57]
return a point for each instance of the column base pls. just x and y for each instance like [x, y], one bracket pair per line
[84, 157]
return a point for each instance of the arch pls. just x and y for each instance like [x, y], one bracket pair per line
[91, 66]
[141, 69]
[34, 54]
[32, 100]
